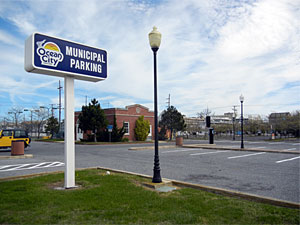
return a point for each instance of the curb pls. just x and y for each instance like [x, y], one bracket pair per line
[152, 147]
[26, 156]
[226, 192]
[251, 197]
[205, 146]
[243, 195]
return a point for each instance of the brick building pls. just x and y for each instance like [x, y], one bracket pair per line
[124, 116]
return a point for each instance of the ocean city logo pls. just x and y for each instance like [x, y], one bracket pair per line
[49, 53]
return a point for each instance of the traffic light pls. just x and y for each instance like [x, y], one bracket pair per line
[207, 121]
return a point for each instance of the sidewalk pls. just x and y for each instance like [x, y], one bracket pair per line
[6, 154]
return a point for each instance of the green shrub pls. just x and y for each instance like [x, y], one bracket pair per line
[142, 129]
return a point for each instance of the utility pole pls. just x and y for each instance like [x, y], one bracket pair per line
[59, 105]
[169, 101]
[233, 121]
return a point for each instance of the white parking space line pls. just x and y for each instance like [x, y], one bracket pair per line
[240, 156]
[285, 160]
[275, 143]
[290, 149]
[205, 153]
[260, 147]
[296, 144]
[186, 150]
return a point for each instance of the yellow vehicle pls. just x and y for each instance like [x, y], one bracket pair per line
[9, 135]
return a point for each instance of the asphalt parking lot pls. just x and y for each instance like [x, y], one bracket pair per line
[267, 174]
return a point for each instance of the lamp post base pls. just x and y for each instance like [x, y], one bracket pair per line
[156, 176]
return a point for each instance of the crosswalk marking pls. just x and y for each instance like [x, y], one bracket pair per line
[280, 161]
[53, 164]
[2, 167]
[30, 166]
[240, 156]
[38, 165]
[19, 167]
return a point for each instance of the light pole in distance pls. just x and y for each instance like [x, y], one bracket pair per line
[242, 125]
[31, 110]
[154, 40]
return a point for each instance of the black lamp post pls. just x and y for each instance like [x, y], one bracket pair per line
[242, 125]
[154, 39]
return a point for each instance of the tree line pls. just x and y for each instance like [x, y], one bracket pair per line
[287, 126]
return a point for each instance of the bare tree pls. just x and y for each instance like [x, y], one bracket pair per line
[14, 113]
[206, 112]
[4, 122]
[40, 117]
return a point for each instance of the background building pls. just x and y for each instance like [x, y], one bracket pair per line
[124, 117]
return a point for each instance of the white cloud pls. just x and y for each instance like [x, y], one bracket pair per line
[211, 51]
[9, 39]
[266, 27]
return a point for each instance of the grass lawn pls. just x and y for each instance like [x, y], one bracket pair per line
[120, 199]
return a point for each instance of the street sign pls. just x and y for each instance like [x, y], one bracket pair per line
[109, 128]
[58, 57]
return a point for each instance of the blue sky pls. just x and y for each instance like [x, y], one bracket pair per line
[211, 52]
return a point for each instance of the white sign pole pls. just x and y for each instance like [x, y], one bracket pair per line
[69, 133]
[58, 57]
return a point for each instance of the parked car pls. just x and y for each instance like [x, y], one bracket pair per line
[9, 135]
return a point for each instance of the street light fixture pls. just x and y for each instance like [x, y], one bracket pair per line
[154, 40]
[44, 107]
[242, 125]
